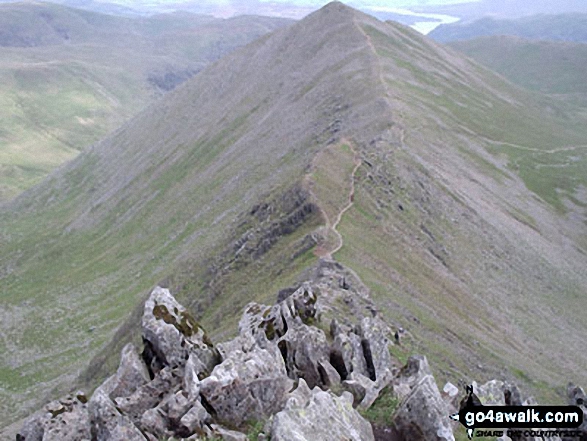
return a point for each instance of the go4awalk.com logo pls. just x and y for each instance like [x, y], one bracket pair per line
[539, 421]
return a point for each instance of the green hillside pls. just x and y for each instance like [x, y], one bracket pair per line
[570, 27]
[69, 76]
[339, 137]
[543, 66]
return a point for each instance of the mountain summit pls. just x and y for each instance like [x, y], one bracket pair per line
[338, 138]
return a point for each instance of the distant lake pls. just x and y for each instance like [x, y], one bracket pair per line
[424, 27]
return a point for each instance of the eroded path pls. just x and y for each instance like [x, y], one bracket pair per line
[332, 184]
[357, 161]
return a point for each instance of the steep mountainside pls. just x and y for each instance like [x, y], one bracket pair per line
[339, 137]
[69, 76]
[545, 66]
[562, 27]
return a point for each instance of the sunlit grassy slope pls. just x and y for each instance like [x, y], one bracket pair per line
[69, 76]
[220, 192]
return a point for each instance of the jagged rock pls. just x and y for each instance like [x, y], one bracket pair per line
[415, 369]
[328, 374]
[260, 323]
[34, 426]
[348, 345]
[63, 420]
[170, 334]
[195, 418]
[450, 395]
[191, 380]
[422, 414]
[247, 385]
[107, 423]
[131, 374]
[304, 348]
[315, 414]
[179, 388]
[363, 390]
[375, 344]
[150, 395]
[225, 434]
[154, 421]
[576, 396]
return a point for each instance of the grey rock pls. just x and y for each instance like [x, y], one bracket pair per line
[576, 397]
[422, 414]
[261, 323]
[195, 418]
[363, 390]
[330, 377]
[304, 349]
[315, 414]
[375, 345]
[154, 421]
[247, 385]
[177, 406]
[34, 427]
[150, 395]
[410, 375]
[131, 374]
[450, 395]
[171, 333]
[226, 434]
[107, 423]
[191, 381]
[63, 420]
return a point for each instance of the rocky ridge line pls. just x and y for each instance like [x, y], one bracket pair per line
[303, 369]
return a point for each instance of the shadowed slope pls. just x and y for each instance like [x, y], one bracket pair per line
[69, 77]
[207, 189]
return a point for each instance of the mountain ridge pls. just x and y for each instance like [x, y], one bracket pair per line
[70, 76]
[207, 190]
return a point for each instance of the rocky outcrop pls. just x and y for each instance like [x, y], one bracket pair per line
[319, 415]
[171, 334]
[422, 414]
[66, 419]
[576, 397]
[306, 378]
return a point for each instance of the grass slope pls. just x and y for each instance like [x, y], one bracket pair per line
[70, 77]
[544, 66]
[220, 192]
[558, 27]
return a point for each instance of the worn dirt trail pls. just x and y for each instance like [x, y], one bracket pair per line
[357, 162]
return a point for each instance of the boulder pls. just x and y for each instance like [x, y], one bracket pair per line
[107, 423]
[154, 421]
[219, 432]
[262, 323]
[150, 395]
[171, 334]
[375, 344]
[63, 420]
[450, 395]
[319, 415]
[422, 414]
[247, 385]
[576, 397]
[194, 419]
[304, 348]
[131, 374]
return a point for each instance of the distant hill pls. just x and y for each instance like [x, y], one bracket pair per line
[505, 9]
[561, 27]
[456, 197]
[70, 76]
[545, 66]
